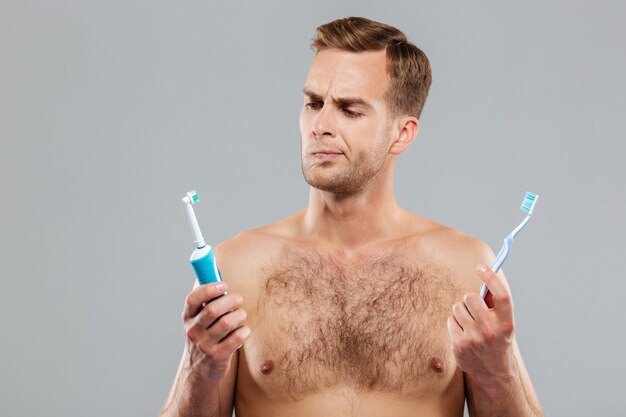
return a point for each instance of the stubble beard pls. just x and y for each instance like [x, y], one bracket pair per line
[345, 176]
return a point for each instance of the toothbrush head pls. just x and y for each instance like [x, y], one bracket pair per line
[529, 202]
[191, 197]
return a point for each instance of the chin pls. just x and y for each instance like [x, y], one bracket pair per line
[333, 184]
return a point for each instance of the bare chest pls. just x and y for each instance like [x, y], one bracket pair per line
[375, 325]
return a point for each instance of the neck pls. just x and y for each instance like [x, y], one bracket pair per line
[354, 220]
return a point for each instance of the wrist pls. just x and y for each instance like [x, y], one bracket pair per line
[194, 382]
[199, 393]
[192, 395]
[499, 376]
[197, 372]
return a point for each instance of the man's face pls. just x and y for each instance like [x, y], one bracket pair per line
[344, 113]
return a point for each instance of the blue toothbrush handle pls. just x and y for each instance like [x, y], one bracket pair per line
[502, 255]
[205, 266]
[498, 262]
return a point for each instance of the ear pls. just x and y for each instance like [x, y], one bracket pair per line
[408, 126]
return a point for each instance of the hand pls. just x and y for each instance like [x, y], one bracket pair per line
[482, 330]
[213, 329]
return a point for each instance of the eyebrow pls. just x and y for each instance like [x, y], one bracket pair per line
[342, 101]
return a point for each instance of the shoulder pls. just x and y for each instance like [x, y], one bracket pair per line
[245, 250]
[457, 252]
[242, 258]
[255, 243]
[459, 246]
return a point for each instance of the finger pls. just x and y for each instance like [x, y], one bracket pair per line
[234, 340]
[500, 294]
[199, 295]
[217, 308]
[455, 330]
[476, 306]
[462, 316]
[226, 324]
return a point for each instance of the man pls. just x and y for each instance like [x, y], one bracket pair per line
[353, 306]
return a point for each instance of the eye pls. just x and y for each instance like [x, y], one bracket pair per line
[350, 114]
[314, 105]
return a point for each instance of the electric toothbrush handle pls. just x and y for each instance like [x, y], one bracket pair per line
[203, 262]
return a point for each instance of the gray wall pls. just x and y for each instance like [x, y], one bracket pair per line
[111, 111]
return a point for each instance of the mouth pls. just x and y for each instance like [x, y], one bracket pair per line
[327, 155]
[326, 151]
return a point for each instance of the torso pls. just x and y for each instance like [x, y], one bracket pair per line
[337, 333]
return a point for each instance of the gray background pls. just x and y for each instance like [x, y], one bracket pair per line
[111, 111]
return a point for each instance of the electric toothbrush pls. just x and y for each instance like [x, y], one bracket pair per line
[203, 257]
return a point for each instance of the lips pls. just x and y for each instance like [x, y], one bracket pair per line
[326, 156]
[326, 152]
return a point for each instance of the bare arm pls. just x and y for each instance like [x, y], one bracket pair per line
[510, 395]
[485, 348]
[205, 382]
[191, 396]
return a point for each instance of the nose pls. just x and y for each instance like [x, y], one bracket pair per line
[324, 125]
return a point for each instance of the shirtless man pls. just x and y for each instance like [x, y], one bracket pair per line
[353, 306]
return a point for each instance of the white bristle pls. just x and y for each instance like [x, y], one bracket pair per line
[193, 196]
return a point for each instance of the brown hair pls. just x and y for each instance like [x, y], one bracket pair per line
[408, 68]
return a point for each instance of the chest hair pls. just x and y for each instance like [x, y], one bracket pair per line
[373, 325]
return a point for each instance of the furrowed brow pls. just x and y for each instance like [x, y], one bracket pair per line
[311, 94]
[342, 101]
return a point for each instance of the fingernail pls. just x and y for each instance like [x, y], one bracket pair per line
[220, 286]
[482, 268]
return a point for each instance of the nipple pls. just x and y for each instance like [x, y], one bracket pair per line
[267, 367]
[436, 365]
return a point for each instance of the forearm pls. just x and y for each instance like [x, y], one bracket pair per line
[205, 380]
[192, 396]
[501, 395]
[482, 331]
